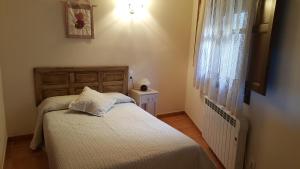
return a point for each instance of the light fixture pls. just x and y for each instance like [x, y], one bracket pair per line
[135, 5]
[132, 10]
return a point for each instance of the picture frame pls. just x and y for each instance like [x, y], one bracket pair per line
[79, 21]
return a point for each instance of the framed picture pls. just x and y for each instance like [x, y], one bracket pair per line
[79, 21]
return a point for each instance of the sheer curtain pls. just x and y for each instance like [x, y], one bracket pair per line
[221, 59]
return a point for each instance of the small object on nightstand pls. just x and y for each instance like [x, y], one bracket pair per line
[147, 100]
[144, 88]
[143, 84]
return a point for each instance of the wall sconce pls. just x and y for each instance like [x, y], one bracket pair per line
[135, 5]
[132, 10]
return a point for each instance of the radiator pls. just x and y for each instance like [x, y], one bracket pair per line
[225, 135]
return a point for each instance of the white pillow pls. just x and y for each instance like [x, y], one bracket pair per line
[92, 102]
[120, 98]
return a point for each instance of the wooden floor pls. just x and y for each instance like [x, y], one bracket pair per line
[19, 156]
[184, 124]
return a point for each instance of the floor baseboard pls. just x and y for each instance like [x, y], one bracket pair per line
[19, 138]
[170, 114]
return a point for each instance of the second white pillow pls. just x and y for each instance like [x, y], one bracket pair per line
[92, 102]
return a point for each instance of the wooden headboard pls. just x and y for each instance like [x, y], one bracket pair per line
[71, 80]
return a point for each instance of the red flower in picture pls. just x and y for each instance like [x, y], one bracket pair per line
[80, 20]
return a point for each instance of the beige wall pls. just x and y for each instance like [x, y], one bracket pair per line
[33, 35]
[3, 136]
[193, 102]
[274, 137]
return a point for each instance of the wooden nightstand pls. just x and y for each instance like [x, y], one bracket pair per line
[146, 100]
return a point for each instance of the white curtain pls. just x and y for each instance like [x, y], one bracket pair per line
[221, 58]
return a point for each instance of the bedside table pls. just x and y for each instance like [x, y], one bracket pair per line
[147, 100]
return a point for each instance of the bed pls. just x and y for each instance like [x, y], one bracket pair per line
[127, 137]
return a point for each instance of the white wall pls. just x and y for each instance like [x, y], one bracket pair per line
[33, 36]
[274, 137]
[3, 135]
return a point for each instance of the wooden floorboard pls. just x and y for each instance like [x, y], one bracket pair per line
[19, 156]
[184, 124]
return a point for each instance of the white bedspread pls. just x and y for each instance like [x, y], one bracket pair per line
[125, 138]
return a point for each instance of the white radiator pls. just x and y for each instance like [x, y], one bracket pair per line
[225, 135]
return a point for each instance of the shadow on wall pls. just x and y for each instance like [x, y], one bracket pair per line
[281, 92]
[275, 129]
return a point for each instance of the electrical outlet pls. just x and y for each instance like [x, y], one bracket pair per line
[252, 164]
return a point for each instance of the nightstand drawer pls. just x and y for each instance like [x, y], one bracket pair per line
[148, 98]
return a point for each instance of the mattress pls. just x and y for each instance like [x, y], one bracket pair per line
[127, 137]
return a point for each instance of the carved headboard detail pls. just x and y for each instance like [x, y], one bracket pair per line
[58, 81]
